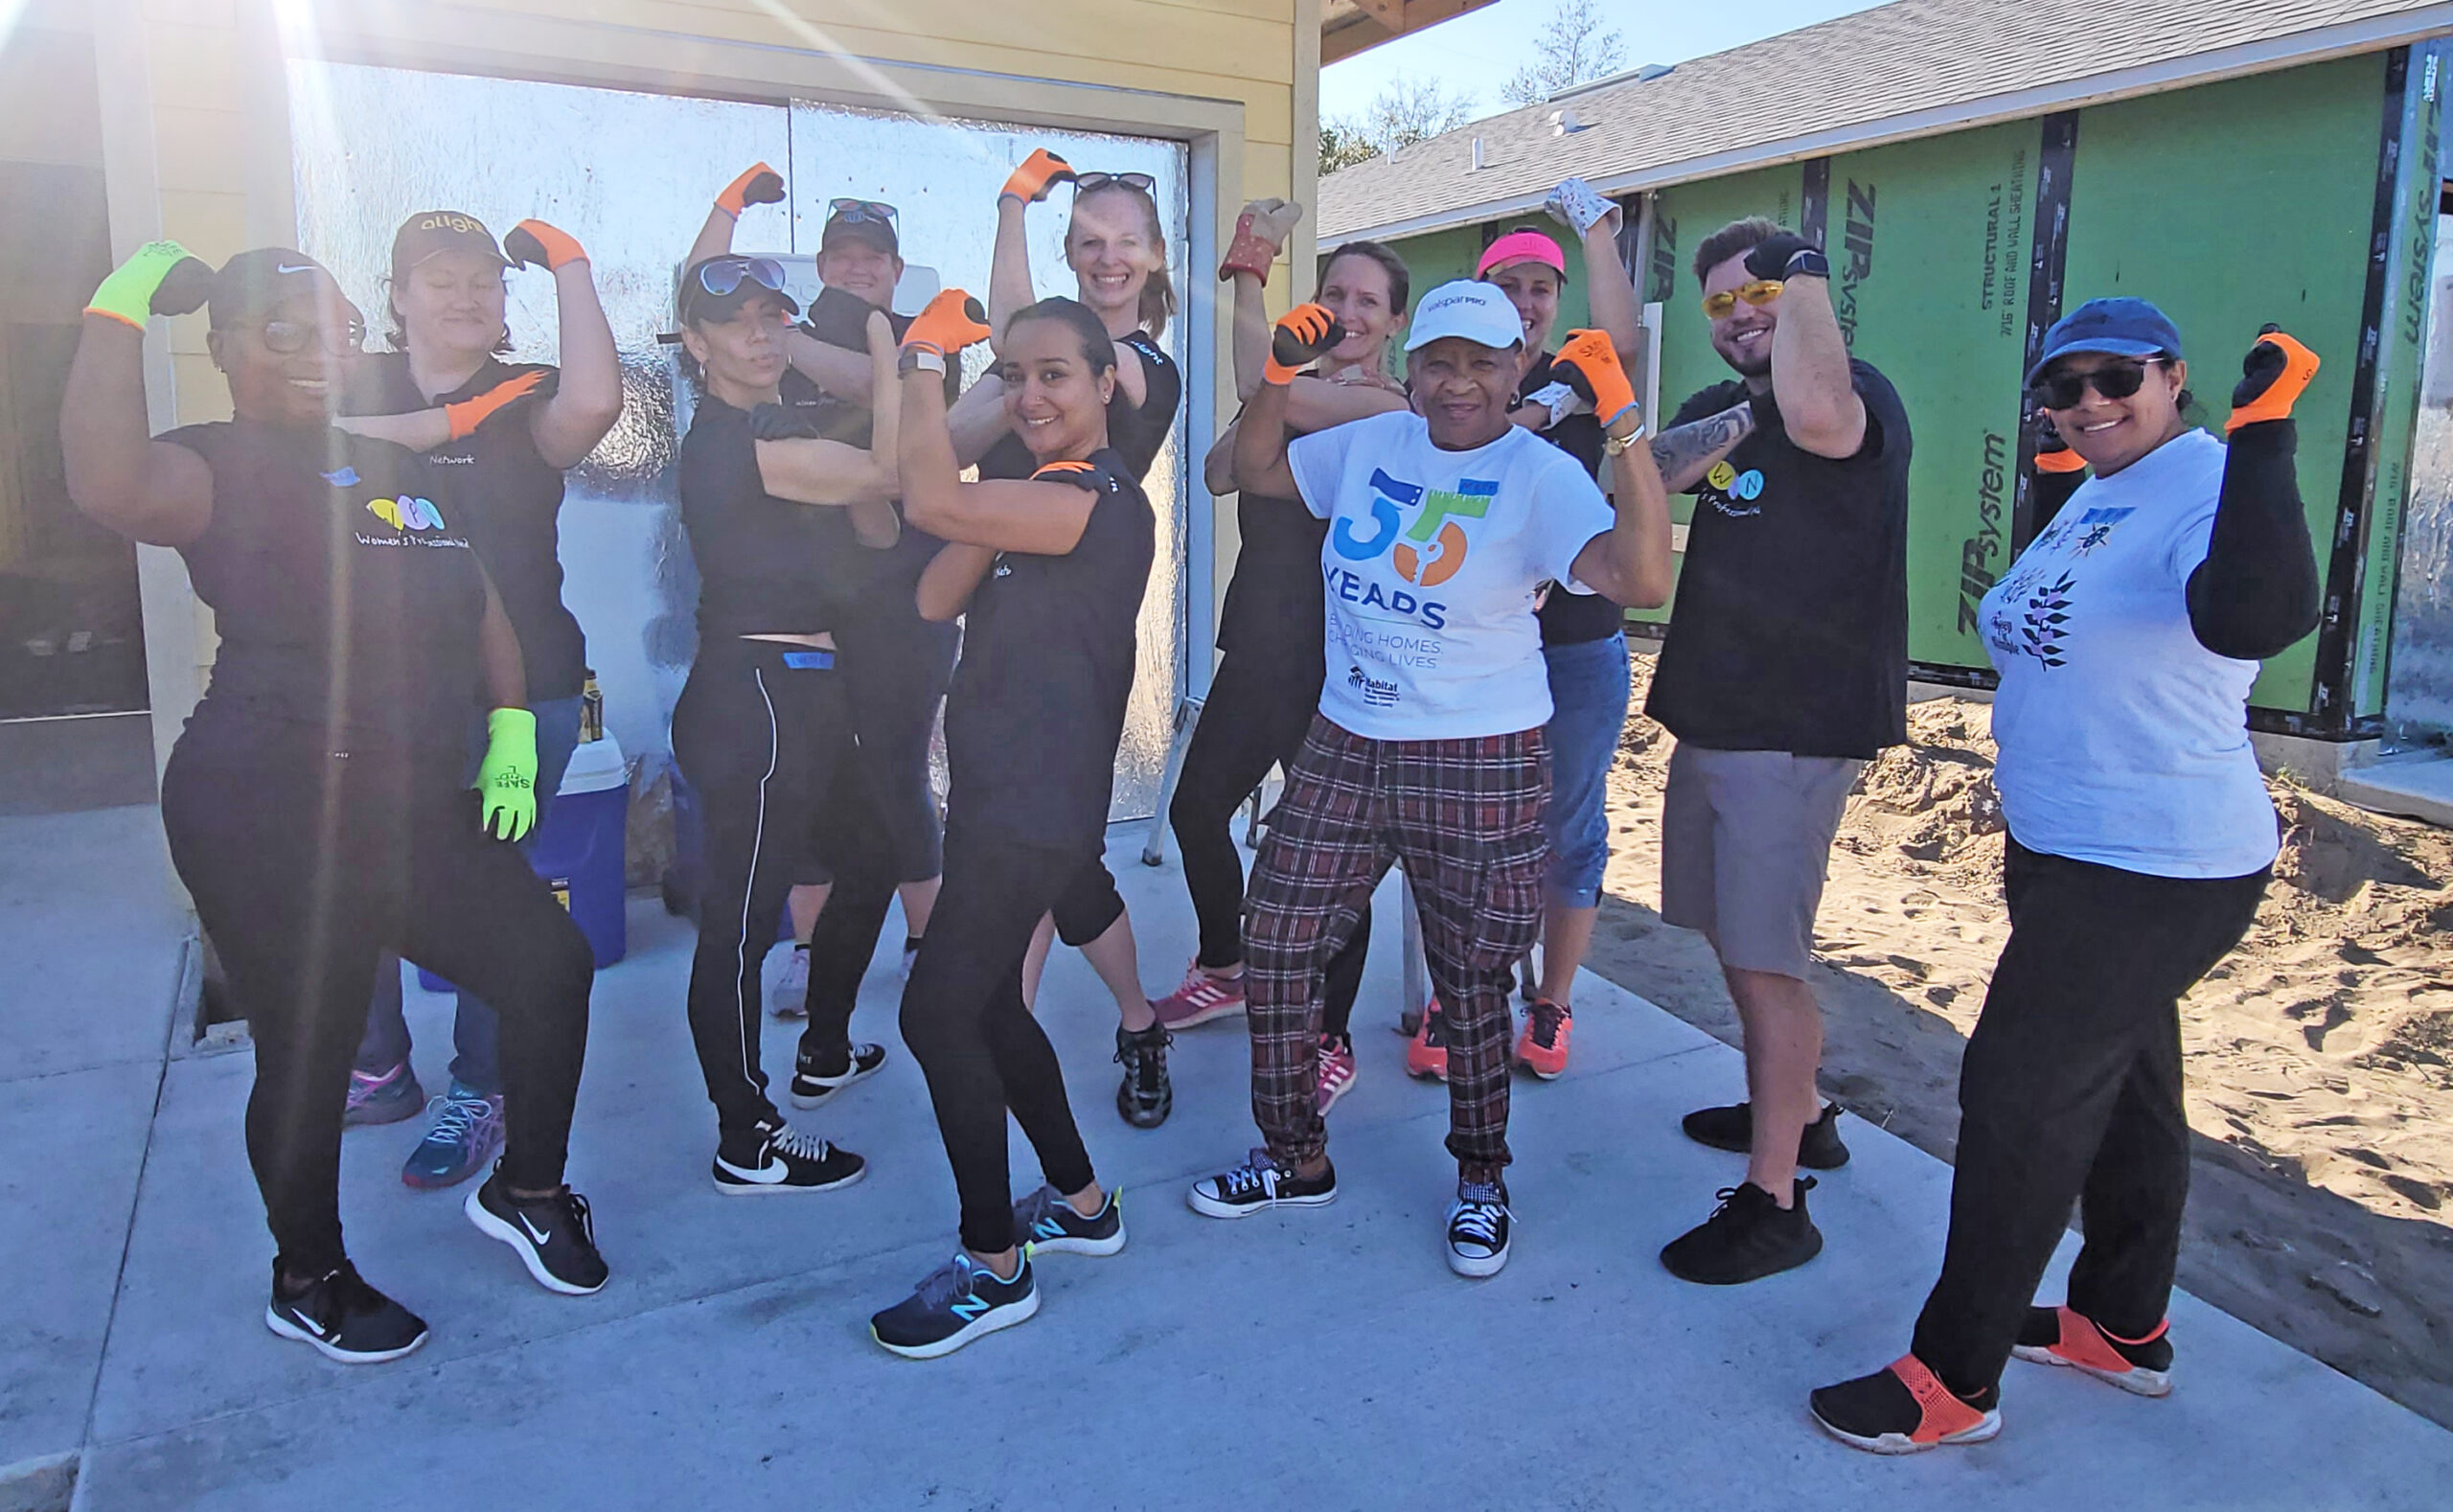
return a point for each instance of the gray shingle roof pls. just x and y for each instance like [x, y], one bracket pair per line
[1917, 65]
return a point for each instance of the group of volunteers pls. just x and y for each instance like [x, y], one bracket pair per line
[1424, 632]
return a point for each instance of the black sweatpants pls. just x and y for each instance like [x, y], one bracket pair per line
[305, 865]
[2070, 1090]
[761, 732]
[1260, 708]
[964, 1020]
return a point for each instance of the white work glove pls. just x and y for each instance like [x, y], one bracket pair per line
[1578, 206]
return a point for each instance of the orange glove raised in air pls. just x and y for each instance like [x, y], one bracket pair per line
[1039, 172]
[757, 185]
[1305, 334]
[2274, 374]
[1589, 365]
[534, 242]
[952, 321]
[476, 410]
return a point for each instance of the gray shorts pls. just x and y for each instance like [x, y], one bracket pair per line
[1745, 841]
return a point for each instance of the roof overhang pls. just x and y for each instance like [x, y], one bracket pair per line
[2317, 45]
[1348, 27]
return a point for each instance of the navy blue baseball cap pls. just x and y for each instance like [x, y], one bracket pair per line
[2124, 327]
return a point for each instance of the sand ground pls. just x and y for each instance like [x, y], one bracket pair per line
[2320, 1053]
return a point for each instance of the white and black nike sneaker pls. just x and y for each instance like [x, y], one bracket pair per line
[1048, 1223]
[554, 1236]
[1478, 1229]
[343, 1318]
[1258, 1185]
[817, 1076]
[953, 1305]
[777, 1158]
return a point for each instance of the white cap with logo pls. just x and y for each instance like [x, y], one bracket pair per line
[1477, 311]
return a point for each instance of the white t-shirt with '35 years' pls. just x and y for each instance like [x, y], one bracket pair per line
[1431, 570]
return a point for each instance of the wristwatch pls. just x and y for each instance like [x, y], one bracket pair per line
[1613, 445]
[1807, 262]
[920, 359]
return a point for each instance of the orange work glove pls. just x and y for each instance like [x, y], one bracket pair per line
[534, 242]
[1304, 336]
[757, 185]
[1589, 365]
[476, 410]
[1039, 172]
[2274, 376]
[952, 321]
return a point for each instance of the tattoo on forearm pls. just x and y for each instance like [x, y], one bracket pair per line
[1682, 454]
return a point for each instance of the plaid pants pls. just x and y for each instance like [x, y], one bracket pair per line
[1465, 817]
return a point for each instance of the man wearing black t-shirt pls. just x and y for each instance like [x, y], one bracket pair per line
[1784, 672]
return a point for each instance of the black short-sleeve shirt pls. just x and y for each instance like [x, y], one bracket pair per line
[511, 500]
[1037, 706]
[1790, 628]
[343, 587]
[1136, 433]
[841, 418]
[1571, 618]
[767, 566]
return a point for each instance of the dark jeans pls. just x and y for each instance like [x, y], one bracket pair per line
[476, 1038]
[1258, 711]
[2071, 1091]
[964, 1020]
[305, 865]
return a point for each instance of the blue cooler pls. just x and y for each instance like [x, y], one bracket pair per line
[579, 850]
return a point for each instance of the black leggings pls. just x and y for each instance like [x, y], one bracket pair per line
[1258, 711]
[979, 1048]
[762, 734]
[2070, 1090]
[305, 866]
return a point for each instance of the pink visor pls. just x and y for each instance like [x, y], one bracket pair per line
[1520, 246]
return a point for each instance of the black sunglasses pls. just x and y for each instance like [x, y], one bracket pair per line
[856, 212]
[1084, 183]
[288, 337]
[2113, 380]
[720, 276]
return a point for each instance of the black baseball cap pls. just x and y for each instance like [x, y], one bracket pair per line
[429, 232]
[256, 282]
[870, 221]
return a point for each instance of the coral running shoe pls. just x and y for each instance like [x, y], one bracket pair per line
[1336, 1070]
[1904, 1409]
[1541, 1048]
[1428, 1055]
[1203, 995]
[2056, 1336]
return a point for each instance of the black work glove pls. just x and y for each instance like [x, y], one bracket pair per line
[1771, 257]
[782, 422]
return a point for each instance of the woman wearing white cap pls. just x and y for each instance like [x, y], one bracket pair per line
[1446, 523]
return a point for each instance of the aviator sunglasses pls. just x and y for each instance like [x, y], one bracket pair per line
[2113, 380]
[721, 275]
[1759, 293]
[1084, 183]
[857, 211]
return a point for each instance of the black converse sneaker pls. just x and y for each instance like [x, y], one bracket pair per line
[343, 1318]
[1257, 1184]
[1145, 1096]
[778, 1157]
[1748, 1237]
[1048, 1223]
[818, 1075]
[1732, 1128]
[554, 1236]
[1478, 1229]
[954, 1304]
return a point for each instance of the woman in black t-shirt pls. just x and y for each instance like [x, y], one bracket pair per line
[784, 527]
[1052, 570]
[318, 804]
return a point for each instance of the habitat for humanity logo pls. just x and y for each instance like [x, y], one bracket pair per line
[1433, 549]
[407, 512]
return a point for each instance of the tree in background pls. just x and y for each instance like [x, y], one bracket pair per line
[1574, 49]
[1398, 116]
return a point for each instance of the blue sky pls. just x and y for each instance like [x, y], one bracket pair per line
[1476, 52]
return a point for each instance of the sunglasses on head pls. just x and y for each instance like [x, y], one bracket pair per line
[288, 337]
[1759, 293]
[1084, 183]
[2118, 379]
[857, 211]
[721, 275]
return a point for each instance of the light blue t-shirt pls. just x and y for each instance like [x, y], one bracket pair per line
[2123, 740]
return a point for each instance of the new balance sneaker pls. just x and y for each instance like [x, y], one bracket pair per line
[554, 1236]
[1904, 1409]
[1748, 1237]
[1257, 1185]
[1336, 1070]
[1542, 1047]
[789, 997]
[818, 1076]
[1428, 1053]
[343, 1318]
[1478, 1229]
[2056, 1336]
[386, 1097]
[777, 1158]
[954, 1304]
[1145, 1098]
[1048, 1223]
[467, 1133]
[1202, 998]
[1732, 1128]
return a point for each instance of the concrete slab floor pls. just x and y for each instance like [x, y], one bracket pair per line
[1317, 1359]
[2416, 786]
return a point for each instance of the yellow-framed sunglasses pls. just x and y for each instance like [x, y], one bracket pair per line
[1759, 293]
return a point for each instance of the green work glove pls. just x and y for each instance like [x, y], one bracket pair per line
[507, 778]
[160, 279]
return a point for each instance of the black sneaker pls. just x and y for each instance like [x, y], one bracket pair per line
[1258, 1185]
[778, 1157]
[1732, 1128]
[817, 1076]
[1746, 1238]
[2057, 1335]
[953, 1305]
[1478, 1229]
[554, 1236]
[1048, 1223]
[1145, 1098]
[344, 1318]
[1904, 1408]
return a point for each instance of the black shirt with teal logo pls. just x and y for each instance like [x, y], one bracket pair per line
[1036, 707]
[1569, 619]
[343, 587]
[1790, 628]
[1136, 433]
